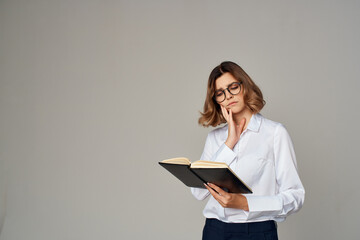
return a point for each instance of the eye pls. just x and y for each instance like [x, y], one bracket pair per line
[218, 93]
[234, 86]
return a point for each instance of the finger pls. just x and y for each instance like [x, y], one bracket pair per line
[212, 190]
[229, 114]
[213, 193]
[219, 190]
[225, 113]
[216, 196]
[231, 120]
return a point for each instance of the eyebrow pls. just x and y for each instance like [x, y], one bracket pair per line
[220, 89]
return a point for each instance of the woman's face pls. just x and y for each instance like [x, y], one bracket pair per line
[233, 102]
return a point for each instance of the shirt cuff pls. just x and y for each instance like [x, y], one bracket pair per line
[199, 193]
[224, 154]
[263, 205]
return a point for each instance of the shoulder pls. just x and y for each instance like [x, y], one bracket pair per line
[272, 126]
[219, 133]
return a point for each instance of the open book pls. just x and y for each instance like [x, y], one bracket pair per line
[197, 173]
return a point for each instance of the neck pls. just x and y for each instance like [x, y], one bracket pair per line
[246, 113]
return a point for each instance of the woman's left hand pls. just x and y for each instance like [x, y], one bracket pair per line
[228, 200]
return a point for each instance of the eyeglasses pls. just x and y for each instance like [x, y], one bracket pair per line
[234, 88]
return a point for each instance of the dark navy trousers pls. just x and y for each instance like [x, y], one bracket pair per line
[218, 230]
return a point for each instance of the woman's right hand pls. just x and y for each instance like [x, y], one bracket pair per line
[234, 130]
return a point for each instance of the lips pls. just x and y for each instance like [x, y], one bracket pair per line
[231, 104]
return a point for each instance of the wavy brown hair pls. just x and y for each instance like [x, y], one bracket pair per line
[253, 98]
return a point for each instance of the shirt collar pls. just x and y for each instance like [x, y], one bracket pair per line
[255, 122]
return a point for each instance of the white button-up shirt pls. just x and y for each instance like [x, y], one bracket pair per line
[264, 159]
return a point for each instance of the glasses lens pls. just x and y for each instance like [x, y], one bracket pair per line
[219, 96]
[234, 88]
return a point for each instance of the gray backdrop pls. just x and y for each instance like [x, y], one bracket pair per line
[95, 93]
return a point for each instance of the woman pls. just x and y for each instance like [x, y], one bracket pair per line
[258, 150]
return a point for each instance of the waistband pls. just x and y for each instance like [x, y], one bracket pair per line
[251, 227]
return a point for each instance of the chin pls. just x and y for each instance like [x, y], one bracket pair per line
[237, 109]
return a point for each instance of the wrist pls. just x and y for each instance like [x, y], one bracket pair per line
[244, 205]
[231, 144]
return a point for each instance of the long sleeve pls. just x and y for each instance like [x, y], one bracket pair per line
[291, 193]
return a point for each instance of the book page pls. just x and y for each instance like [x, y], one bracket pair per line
[179, 160]
[208, 164]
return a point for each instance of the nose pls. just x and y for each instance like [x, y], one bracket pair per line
[228, 95]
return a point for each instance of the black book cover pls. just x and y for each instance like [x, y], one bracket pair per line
[222, 177]
[196, 177]
[184, 174]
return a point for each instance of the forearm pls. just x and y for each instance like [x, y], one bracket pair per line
[230, 143]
